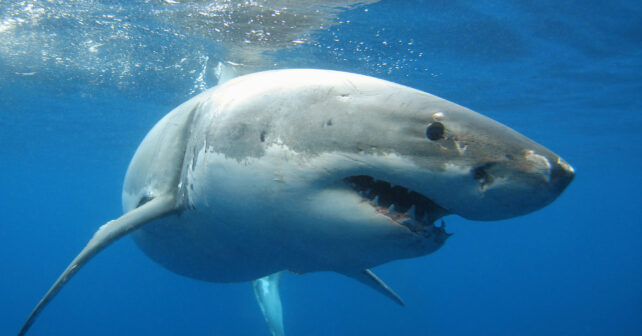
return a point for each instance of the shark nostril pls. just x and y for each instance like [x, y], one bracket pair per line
[480, 173]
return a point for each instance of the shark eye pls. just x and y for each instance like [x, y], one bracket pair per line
[435, 131]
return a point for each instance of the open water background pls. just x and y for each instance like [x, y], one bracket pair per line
[82, 82]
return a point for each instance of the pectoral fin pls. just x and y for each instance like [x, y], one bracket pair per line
[106, 234]
[266, 290]
[368, 278]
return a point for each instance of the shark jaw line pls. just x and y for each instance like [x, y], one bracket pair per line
[402, 206]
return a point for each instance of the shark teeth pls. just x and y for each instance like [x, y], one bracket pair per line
[391, 209]
[411, 212]
[403, 206]
[427, 230]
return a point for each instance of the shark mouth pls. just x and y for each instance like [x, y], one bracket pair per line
[405, 207]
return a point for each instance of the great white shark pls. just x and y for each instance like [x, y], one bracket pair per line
[308, 170]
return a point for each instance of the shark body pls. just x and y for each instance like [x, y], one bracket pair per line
[312, 170]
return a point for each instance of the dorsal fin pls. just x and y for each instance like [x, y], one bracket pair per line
[225, 71]
[106, 234]
[366, 277]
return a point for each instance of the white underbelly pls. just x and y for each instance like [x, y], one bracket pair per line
[230, 245]
[245, 220]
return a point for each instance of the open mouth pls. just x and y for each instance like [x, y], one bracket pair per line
[403, 206]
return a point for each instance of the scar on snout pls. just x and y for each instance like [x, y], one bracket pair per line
[460, 149]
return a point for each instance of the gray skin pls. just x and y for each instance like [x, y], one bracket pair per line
[249, 178]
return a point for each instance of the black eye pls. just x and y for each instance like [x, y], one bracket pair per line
[435, 131]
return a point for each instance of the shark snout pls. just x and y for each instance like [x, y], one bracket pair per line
[543, 164]
[514, 186]
[561, 174]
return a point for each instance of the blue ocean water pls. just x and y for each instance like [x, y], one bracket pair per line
[82, 82]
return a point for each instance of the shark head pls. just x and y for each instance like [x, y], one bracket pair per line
[373, 135]
[465, 163]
